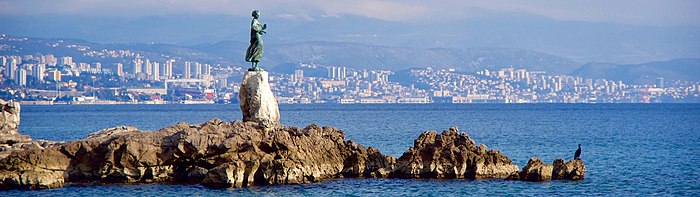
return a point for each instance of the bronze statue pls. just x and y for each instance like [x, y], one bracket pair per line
[255, 50]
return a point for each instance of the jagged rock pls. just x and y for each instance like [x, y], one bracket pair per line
[233, 174]
[572, 170]
[9, 122]
[536, 170]
[10, 138]
[108, 132]
[10, 117]
[32, 180]
[258, 104]
[240, 154]
[368, 162]
[451, 155]
[33, 169]
[214, 153]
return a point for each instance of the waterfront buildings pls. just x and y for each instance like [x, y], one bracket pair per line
[150, 79]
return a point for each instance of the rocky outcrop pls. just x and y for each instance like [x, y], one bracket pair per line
[451, 155]
[10, 138]
[258, 104]
[536, 171]
[9, 123]
[368, 162]
[214, 153]
[239, 154]
[572, 170]
[114, 131]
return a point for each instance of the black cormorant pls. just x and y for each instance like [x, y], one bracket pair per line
[577, 154]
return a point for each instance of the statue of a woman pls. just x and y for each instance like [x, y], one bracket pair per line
[255, 50]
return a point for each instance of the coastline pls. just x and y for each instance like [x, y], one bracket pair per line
[39, 103]
[618, 130]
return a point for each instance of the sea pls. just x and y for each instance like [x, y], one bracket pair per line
[628, 149]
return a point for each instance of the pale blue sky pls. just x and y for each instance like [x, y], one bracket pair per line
[647, 12]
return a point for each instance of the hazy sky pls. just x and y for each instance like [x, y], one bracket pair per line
[650, 12]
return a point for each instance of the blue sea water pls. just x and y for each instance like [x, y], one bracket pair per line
[628, 149]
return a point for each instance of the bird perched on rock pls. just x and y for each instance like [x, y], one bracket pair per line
[577, 154]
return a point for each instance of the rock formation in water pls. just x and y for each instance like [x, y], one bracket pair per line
[572, 170]
[258, 104]
[10, 138]
[536, 170]
[9, 122]
[451, 155]
[239, 154]
[214, 153]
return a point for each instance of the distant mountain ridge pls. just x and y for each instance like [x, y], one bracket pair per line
[397, 58]
[676, 69]
[325, 53]
[284, 58]
[576, 40]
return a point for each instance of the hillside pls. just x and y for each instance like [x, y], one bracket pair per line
[395, 58]
[576, 40]
[278, 57]
[676, 69]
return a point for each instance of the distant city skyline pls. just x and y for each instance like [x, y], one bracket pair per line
[43, 79]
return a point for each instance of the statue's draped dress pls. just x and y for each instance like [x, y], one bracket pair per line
[255, 50]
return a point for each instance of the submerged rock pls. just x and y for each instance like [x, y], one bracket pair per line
[214, 153]
[451, 155]
[258, 104]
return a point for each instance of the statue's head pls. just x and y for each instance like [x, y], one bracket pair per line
[256, 14]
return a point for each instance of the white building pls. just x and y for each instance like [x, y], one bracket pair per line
[155, 74]
[38, 72]
[120, 69]
[21, 77]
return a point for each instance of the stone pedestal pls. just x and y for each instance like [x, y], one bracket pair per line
[258, 104]
[9, 122]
